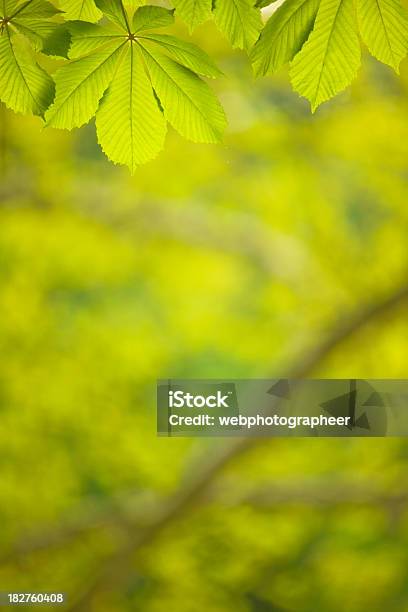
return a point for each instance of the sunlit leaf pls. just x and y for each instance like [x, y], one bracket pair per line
[193, 12]
[384, 29]
[329, 60]
[188, 103]
[239, 20]
[127, 81]
[130, 125]
[24, 86]
[284, 35]
[85, 10]
[80, 85]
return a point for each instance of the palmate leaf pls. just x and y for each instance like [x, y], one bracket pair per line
[384, 29]
[134, 80]
[130, 125]
[239, 20]
[321, 39]
[33, 19]
[24, 86]
[330, 58]
[284, 35]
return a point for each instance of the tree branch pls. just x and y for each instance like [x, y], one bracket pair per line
[113, 570]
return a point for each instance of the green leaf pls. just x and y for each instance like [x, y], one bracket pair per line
[131, 6]
[86, 37]
[132, 88]
[34, 9]
[185, 53]
[239, 20]
[330, 58]
[80, 85]
[57, 42]
[115, 11]
[131, 127]
[384, 29]
[284, 35]
[188, 103]
[150, 17]
[193, 12]
[36, 30]
[264, 3]
[33, 19]
[24, 86]
[84, 10]
[8, 7]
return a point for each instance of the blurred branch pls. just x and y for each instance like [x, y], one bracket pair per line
[212, 463]
[346, 329]
[143, 517]
[130, 511]
[322, 492]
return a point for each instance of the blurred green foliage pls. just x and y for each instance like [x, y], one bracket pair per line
[210, 262]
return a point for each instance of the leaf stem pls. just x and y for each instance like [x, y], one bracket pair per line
[125, 17]
[24, 6]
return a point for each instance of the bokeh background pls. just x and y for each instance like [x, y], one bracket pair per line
[211, 261]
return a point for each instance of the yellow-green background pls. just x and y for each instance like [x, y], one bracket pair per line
[212, 261]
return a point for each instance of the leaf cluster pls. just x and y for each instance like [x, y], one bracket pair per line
[120, 68]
